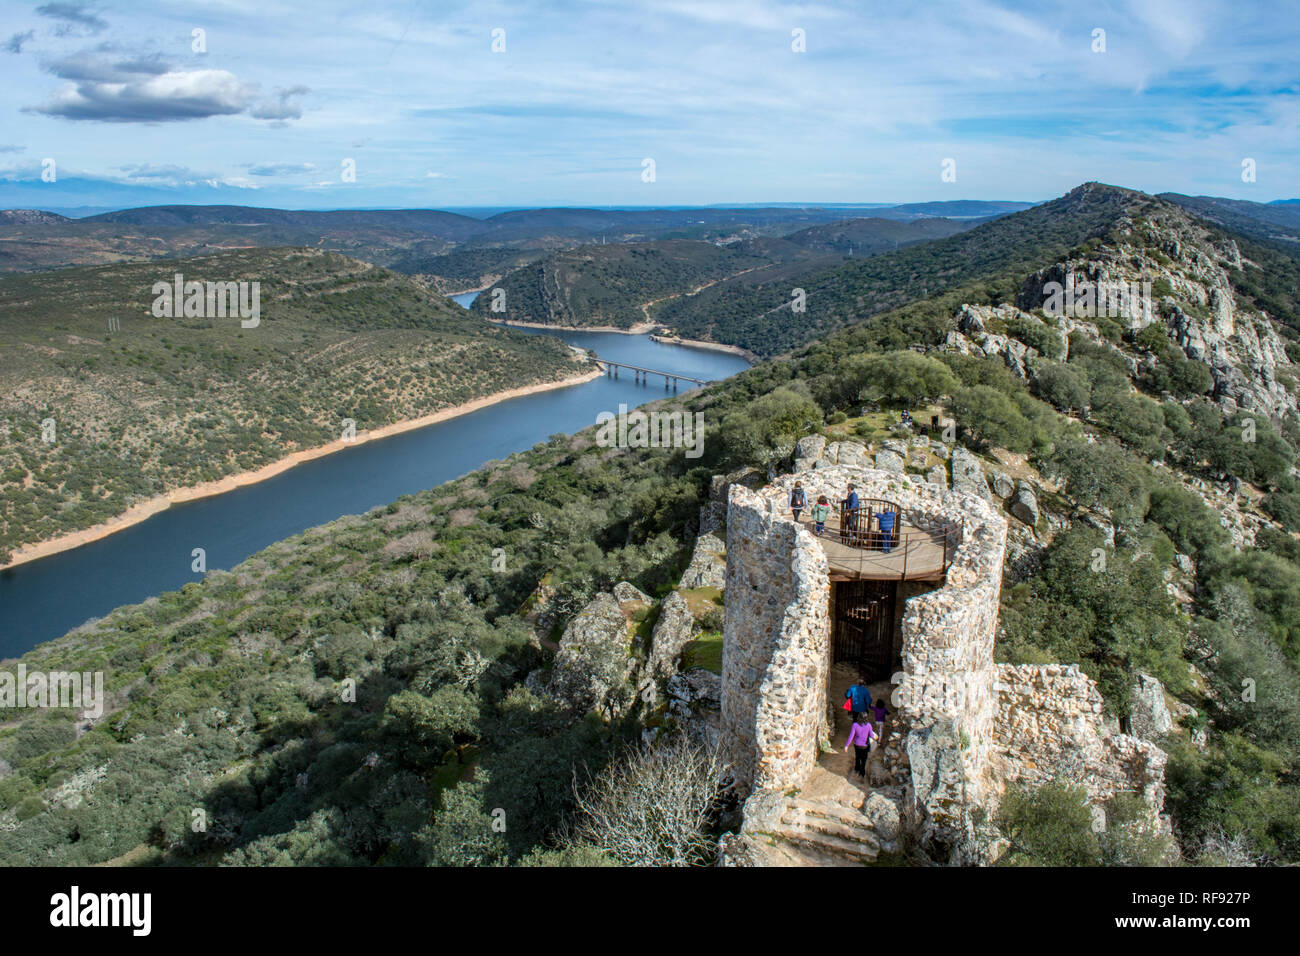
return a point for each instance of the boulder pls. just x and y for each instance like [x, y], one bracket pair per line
[884, 815]
[1149, 715]
[968, 474]
[938, 475]
[1025, 504]
[970, 320]
[672, 632]
[629, 594]
[1003, 486]
[594, 664]
[696, 687]
[708, 567]
[887, 460]
[809, 450]
[853, 454]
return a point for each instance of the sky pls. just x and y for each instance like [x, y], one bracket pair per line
[446, 104]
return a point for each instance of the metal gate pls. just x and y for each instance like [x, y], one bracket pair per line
[864, 626]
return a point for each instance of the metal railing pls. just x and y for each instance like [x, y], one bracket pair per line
[883, 546]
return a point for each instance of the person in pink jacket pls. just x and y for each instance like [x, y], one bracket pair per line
[860, 736]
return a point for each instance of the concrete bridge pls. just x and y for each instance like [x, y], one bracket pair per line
[643, 374]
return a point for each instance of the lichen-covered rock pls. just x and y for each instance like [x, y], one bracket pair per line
[593, 667]
[1025, 505]
[1149, 717]
[672, 632]
[968, 474]
[885, 816]
[708, 567]
[696, 687]
[1003, 486]
[1051, 724]
[629, 594]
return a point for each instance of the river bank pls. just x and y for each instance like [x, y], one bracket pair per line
[144, 510]
[746, 354]
[641, 328]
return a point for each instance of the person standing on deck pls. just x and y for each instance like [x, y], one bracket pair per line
[797, 500]
[860, 736]
[851, 503]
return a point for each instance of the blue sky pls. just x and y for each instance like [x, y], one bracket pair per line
[412, 92]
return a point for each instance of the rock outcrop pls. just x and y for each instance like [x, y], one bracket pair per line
[593, 667]
[1025, 504]
[1149, 716]
[968, 474]
[708, 567]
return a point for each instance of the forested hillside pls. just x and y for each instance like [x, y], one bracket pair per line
[230, 695]
[754, 310]
[608, 285]
[624, 285]
[153, 404]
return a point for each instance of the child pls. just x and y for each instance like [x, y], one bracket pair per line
[820, 512]
[878, 715]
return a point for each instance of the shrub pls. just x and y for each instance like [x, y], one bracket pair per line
[655, 807]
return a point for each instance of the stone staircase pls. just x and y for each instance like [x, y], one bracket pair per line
[831, 833]
[827, 822]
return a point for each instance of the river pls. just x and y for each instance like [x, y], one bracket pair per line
[44, 599]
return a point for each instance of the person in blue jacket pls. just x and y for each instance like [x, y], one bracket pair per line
[859, 698]
[851, 502]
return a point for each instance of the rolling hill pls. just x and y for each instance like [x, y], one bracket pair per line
[150, 404]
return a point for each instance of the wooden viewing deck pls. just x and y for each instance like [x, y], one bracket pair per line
[859, 555]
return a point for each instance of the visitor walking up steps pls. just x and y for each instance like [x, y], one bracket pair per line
[860, 736]
[859, 699]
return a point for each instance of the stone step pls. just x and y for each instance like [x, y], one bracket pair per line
[827, 843]
[836, 811]
[853, 832]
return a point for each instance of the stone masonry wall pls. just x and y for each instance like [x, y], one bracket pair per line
[1050, 725]
[776, 641]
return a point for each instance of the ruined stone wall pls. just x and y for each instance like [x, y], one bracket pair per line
[1050, 724]
[776, 647]
[945, 704]
[963, 727]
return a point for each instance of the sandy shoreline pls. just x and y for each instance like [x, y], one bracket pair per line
[641, 328]
[746, 354]
[147, 509]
